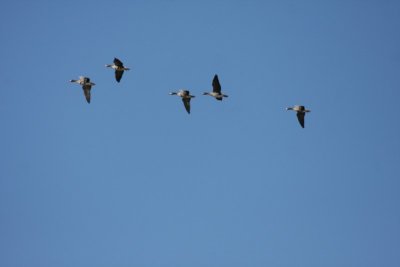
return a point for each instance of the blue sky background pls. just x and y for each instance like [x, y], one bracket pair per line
[133, 180]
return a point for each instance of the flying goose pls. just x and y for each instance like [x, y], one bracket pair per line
[301, 113]
[119, 68]
[86, 86]
[216, 89]
[186, 96]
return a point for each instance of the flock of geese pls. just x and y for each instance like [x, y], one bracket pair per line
[185, 95]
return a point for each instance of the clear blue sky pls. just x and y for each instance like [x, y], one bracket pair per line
[133, 180]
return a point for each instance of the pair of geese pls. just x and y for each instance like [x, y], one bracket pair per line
[119, 68]
[186, 96]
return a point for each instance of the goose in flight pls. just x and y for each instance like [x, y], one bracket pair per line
[119, 68]
[186, 96]
[301, 113]
[86, 86]
[216, 89]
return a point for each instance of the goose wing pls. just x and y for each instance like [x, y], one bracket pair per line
[185, 92]
[118, 75]
[86, 91]
[216, 85]
[186, 103]
[300, 117]
[118, 62]
[85, 80]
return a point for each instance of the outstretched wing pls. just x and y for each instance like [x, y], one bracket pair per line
[300, 117]
[118, 62]
[85, 80]
[86, 91]
[216, 85]
[118, 75]
[186, 103]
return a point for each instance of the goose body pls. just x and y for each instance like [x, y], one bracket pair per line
[216, 92]
[186, 97]
[86, 86]
[119, 68]
[301, 113]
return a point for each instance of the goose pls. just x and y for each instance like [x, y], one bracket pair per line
[301, 113]
[216, 89]
[186, 96]
[86, 86]
[119, 68]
